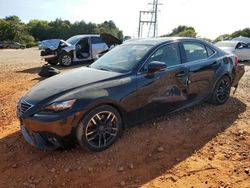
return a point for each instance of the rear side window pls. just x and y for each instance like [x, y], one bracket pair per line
[194, 51]
[210, 52]
[96, 40]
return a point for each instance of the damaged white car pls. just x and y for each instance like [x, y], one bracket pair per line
[77, 48]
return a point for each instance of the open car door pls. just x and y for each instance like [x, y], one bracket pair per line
[110, 39]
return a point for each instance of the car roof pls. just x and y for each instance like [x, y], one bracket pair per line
[229, 41]
[82, 36]
[157, 41]
[226, 43]
[242, 39]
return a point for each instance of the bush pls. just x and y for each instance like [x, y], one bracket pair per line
[25, 39]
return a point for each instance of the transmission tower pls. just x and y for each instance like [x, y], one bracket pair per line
[149, 18]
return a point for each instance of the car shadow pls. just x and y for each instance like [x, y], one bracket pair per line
[36, 70]
[180, 135]
[246, 63]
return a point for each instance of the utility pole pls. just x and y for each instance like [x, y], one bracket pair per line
[153, 24]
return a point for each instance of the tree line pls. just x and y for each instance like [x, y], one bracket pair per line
[13, 29]
[186, 31]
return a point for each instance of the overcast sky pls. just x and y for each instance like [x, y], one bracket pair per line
[210, 18]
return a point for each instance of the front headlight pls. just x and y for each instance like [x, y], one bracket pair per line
[60, 106]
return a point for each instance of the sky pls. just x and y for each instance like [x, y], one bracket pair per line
[210, 18]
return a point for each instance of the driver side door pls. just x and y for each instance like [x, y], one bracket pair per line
[165, 90]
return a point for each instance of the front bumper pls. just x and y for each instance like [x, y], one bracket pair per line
[48, 133]
[52, 56]
[49, 55]
[38, 141]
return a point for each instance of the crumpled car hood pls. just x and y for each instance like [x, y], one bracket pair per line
[53, 44]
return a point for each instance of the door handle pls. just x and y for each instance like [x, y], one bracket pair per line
[215, 64]
[181, 74]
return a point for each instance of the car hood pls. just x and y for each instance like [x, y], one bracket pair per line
[52, 44]
[61, 83]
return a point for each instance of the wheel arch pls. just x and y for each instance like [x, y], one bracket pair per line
[228, 74]
[71, 52]
[111, 103]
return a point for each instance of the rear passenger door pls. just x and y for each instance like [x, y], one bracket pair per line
[98, 46]
[199, 58]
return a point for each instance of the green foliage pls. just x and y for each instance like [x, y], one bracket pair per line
[244, 33]
[110, 28]
[26, 39]
[182, 31]
[186, 31]
[223, 37]
[11, 28]
[206, 39]
[38, 29]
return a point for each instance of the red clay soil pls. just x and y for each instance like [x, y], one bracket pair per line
[202, 146]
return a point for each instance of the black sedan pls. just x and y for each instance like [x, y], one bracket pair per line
[136, 81]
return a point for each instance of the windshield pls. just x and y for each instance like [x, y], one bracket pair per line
[226, 44]
[122, 58]
[73, 40]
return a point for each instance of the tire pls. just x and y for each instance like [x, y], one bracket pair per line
[65, 59]
[221, 91]
[99, 129]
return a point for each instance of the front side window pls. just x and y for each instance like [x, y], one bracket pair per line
[168, 54]
[194, 51]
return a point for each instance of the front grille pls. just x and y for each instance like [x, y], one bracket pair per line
[24, 106]
[47, 51]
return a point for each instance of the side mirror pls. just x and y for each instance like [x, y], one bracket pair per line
[156, 66]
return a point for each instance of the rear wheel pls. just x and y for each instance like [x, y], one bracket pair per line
[221, 91]
[99, 129]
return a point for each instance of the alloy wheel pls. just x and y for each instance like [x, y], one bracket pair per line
[66, 60]
[102, 129]
[223, 91]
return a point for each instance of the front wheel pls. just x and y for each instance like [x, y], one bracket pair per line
[65, 59]
[99, 129]
[221, 91]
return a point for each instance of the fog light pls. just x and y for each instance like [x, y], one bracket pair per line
[54, 141]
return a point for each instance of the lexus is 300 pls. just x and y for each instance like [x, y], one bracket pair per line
[136, 81]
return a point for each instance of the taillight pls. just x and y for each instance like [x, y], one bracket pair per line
[236, 61]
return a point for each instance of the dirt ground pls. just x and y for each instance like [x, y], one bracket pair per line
[202, 146]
